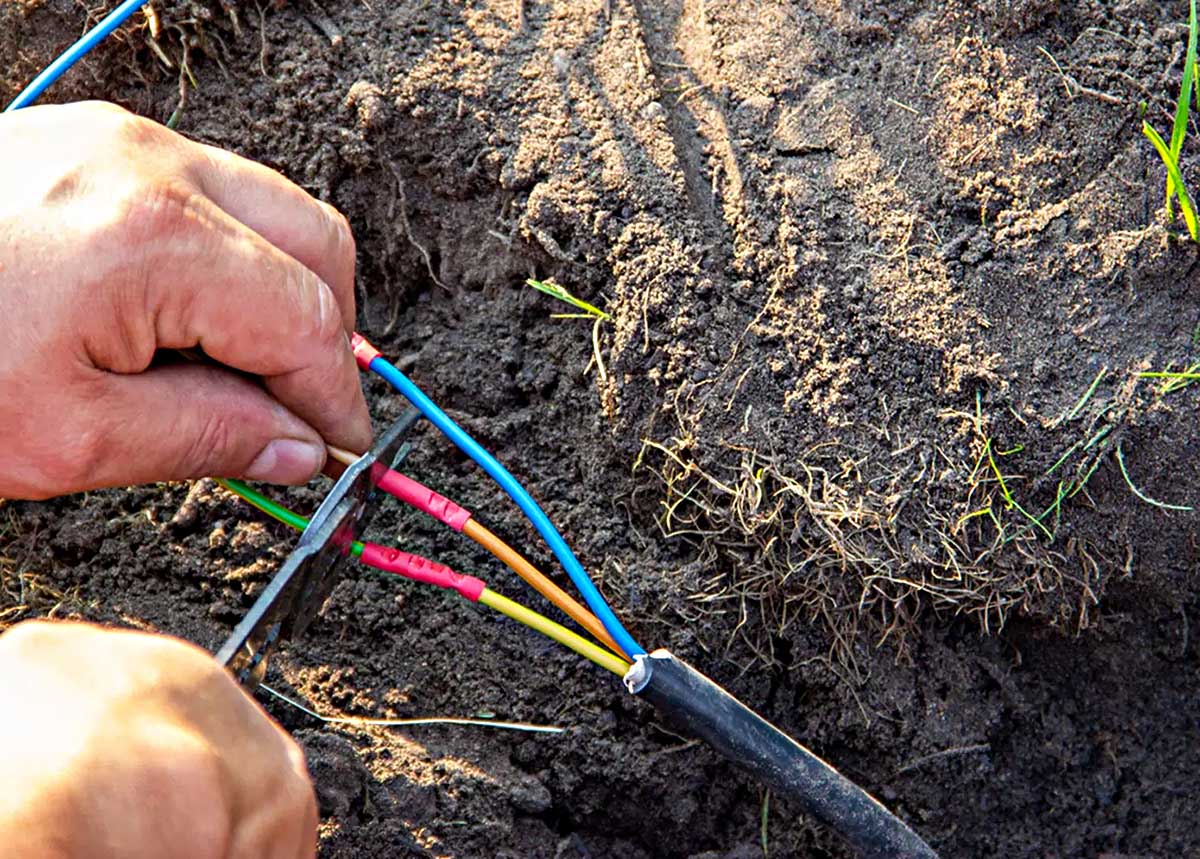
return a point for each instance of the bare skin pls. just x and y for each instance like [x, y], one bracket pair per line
[123, 744]
[119, 239]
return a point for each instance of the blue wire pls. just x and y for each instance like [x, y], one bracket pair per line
[591, 595]
[71, 55]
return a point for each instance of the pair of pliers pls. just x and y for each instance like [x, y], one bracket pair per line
[299, 590]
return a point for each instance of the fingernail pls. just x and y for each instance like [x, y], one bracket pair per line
[287, 460]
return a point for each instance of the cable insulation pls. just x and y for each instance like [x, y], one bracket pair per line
[708, 712]
[263, 503]
[553, 630]
[539, 582]
[487, 596]
[73, 54]
[591, 594]
[416, 494]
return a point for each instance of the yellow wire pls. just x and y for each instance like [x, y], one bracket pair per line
[489, 597]
[559, 633]
[552, 592]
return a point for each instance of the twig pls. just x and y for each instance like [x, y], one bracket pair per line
[408, 233]
[395, 723]
[596, 351]
[945, 753]
[1070, 81]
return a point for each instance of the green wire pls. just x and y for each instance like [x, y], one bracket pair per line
[276, 511]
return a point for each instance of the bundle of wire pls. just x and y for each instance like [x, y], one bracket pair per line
[421, 569]
[368, 358]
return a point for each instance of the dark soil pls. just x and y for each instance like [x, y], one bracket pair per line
[874, 268]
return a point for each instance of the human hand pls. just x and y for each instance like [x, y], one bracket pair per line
[124, 745]
[118, 238]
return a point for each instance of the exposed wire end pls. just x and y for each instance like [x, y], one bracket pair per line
[341, 455]
[421, 570]
[636, 677]
[364, 352]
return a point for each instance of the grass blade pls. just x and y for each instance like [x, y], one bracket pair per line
[1182, 104]
[1185, 200]
[555, 291]
[1142, 495]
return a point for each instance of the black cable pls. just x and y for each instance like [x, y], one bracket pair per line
[710, 713]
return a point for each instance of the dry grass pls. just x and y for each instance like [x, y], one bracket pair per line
[24, 592]
[829, 536]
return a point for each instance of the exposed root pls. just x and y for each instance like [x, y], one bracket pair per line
[401, 214]
[826, 538]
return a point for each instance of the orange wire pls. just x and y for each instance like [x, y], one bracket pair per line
[345, 457]
[541, 584]
[517, 563]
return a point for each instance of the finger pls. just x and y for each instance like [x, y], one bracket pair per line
[219, 285]
[310, 231]
[188, 421]
[308, 830]
[303, 824]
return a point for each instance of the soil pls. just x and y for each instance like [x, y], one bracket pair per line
[861, 445]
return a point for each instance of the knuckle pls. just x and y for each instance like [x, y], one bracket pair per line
[103, 115]
[157, 211]
[210, 446]
[339, 229]
[101, 106]
[132, 130]
[324, 318]
[343, 250]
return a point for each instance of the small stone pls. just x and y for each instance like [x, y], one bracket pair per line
[653, 110]
[531, 797]
[561, 62]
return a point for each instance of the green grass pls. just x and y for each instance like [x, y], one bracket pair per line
[587, 311]
[1083, 401]
[763, 819]
[1094, 445]
[1174, 380]
[1169, 153]
[1142, 495]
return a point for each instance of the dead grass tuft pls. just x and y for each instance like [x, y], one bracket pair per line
[862, 543]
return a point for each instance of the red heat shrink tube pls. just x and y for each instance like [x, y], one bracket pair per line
[422, 497]
[421, 570]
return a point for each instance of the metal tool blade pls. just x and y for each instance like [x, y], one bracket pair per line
[299, 590]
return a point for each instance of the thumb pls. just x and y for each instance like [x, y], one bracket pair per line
[186, 421]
